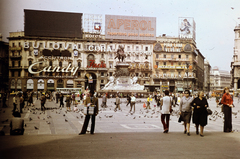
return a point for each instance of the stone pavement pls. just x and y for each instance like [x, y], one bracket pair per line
[118, 134]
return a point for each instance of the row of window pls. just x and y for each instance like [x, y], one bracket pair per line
[172, 56]
[170, 63]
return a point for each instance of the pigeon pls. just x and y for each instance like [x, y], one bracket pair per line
[48, 122]
[38, 117]
[77, 117]
[43, 118]
[134, 118]
[81, 116]
[110, 116]
[66, 120]
[30, 119]
[25, 125]
[63, 114]
[36, 127]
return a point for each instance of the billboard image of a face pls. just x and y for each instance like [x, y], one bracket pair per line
[186, 28]
[130, 27]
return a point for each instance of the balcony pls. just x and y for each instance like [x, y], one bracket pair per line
[16, 57]
[171, 67]
[15, 67]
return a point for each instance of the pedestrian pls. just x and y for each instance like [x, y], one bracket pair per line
[200, 113]
[21, 103]
[117, 103]
[94, 102]
[166, 103]
[68, 102]
[61, 100]
[149, 99]
[186, 111]
[128, 100]
[158, 102]
[16, 124]
[4, 100]
[14, 103]
[217, 99]
[73, 98]
[57, 97]
[43, 100]
[104, 101]
[227, 110]
[133, 101]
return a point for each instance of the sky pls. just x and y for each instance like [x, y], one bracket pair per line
[215, 19]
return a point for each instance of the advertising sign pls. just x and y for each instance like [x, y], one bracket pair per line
[186, 28]
[92, 23]
[130, 27]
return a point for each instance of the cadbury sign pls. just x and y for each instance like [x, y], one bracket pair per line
[130, 27]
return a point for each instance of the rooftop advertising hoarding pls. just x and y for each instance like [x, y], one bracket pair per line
[53, 24]
[186, 28]
[130, 27]
[93, 23]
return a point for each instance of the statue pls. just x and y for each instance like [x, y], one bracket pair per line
[120, 53]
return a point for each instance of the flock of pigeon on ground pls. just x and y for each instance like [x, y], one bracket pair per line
[142, 113]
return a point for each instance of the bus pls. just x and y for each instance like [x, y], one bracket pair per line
[69, 90]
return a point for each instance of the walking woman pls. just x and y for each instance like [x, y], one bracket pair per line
[227, 110]
[186, 111]
[200, 105]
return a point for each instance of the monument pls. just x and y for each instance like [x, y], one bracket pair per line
[121, 82]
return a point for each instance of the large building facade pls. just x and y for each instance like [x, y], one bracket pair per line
[235, 64]
[207, 69]
[219, 79]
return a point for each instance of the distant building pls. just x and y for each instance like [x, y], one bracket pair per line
[3, 65]
[207, 69]
[219, 79]
[235, 64]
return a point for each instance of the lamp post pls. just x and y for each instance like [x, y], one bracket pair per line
[187, 65]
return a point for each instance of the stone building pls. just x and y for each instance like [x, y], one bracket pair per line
[235, 64]
[175, 64]
[219, 79]
[207, 69]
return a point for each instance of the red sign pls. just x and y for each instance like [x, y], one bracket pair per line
[94, 65]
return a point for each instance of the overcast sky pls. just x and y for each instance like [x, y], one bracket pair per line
[215, 19]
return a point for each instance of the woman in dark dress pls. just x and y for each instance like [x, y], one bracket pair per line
[227, 110]
[200, 105]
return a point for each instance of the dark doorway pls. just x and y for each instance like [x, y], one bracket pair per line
[238, 84]
[90, 82]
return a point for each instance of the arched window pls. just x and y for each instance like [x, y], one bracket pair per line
[90, 59]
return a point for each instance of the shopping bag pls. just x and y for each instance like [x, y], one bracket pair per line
[144, 105]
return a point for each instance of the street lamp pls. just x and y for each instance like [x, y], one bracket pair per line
[187, 65]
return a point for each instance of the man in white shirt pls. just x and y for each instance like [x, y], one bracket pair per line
[133, 101]
[14, 103]
[166, 103]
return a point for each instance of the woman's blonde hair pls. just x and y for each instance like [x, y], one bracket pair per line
[200, 93]
[225, 89]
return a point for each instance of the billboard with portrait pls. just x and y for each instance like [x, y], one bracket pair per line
[186, 28]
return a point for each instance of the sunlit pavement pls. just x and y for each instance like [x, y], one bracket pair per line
[118, 135]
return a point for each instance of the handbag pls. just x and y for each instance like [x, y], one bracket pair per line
[209, 111]
[180, 119]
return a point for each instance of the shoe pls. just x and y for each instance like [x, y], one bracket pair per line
[185, 131]
[201, 135]
[81, 134]
[197, 132]
[188, 133]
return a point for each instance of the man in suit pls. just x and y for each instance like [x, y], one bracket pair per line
[117, 103]
[94, 101]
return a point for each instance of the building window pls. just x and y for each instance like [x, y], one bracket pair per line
[102, 74]
[111, 73]
[102, 55]
[172, 63]
[29, 63]
[19, 44]
[146, 74]
[12, 73]
[137, 48]
[19, 63]
[90, 59]
[186, 56]
[164, 56]
[50, 63]
[79, 74]
[157, 63]
[128, 57]
[79, 46]
[40, 74]
[179, 56]
[110, 55]
[110, 65]
[137, 57]
[179, 63]
[19, 73]
[146, 57]
[179, 74]
[137, 74]
[13, 63]
[79, 64]
[172, 56]
[60, 64]
[102, 81]
[157, 56]
[13, 45]
[164, 63]
[128, 48]
[146, 48]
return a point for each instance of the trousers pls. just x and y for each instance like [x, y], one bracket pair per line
[85, 124]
